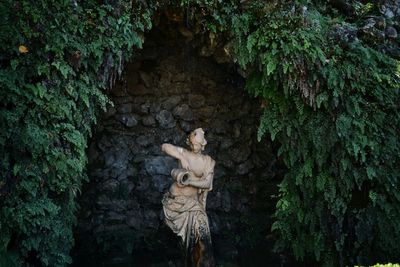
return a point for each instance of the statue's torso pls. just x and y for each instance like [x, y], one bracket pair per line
[197, 165]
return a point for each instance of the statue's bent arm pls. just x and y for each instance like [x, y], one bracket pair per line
[203, 184]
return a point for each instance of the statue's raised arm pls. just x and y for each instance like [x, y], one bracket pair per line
[176, 152]
[172, 150]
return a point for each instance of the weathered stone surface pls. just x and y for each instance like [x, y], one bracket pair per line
[161, 102]
[134, 220]
[344, 34]
[146, 78]
[391, 32]
[171, 102]
[245, 167]
[240, 153]
[228, 251]
[179, 77]
[145, 140]
[93, 153]
[160, 165]
[115, 217]
[118, 91]
[128, 120]
[205, 112]
[149, 121]
[196, 101]
[116, 158]
[220, 126]
[165, 119]
[110, 112]
[123, 99]
[109, 158]
[125, 108]
[236, 129]
[126, 186]
[144, 108]
[186, 126]
[151, 218]
[143, 184]
[226, 143]
[138, 90]
[183, 112]
[225, 201]
[131, 171]
[111, 185]
[131, 76]
[387, 11]
[106, 203]
[161, 183]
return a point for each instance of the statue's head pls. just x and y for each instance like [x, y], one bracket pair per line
[196, 140]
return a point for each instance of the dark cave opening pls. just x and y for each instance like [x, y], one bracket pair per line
[166, 90]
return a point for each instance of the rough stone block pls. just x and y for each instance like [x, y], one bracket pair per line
[183, 112]
[151, 219]
[171, 102]
[134, 220]
[132, 77]
[145, 140]
[205, 112]
[165, 119]
[196, 101]
[245, 167]
[149, 121]
[146, 78]
[128, 120]
[110, 185]
[161, 182]
[139, 89]
[125, 108]
[160, 165]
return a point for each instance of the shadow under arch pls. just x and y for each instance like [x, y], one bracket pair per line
[166, 90]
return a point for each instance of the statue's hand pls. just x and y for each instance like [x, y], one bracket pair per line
[185, 182]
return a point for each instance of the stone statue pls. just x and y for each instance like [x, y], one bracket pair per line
[185, 202]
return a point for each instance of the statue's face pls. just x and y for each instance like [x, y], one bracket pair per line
[196, 140]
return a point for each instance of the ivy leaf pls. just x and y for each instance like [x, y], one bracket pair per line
[16, 169]
[271, 66]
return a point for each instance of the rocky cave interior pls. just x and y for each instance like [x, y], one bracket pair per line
[170, 87]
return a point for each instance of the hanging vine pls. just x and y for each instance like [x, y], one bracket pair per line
[332, 102]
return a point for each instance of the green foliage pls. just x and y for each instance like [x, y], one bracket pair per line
[333, 107]
[56, 58]
[335, 111]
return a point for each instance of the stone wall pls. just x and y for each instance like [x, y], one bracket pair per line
[167, 91]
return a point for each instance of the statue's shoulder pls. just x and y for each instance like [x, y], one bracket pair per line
[182, 150]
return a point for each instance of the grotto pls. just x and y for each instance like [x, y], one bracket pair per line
[170, 88]
[298, 101]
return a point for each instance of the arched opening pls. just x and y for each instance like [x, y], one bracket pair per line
[167, 90]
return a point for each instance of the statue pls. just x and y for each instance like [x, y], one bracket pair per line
[185, 202]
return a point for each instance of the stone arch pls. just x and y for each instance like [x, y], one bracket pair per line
[167, 90]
